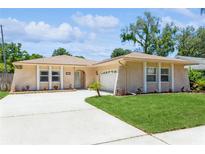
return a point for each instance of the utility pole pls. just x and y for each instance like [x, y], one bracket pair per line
[4, 54]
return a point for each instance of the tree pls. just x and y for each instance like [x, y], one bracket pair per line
[14, 53]
[96, 86]
[191, 42]
[166, 42]
[80, 57]
[152, 38]
[119, 52]
[201, 42]
[61, 51]
[143, 32]
[35, 56]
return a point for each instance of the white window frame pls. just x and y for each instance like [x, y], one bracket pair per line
[152, 74]
[43, 70]
[165, 74]
[55, 76]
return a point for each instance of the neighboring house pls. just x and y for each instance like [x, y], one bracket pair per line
[200, 61]
[130, 73]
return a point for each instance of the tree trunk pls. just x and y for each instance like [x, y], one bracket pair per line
[98, 92]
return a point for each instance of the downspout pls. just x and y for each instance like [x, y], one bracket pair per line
[124, 65]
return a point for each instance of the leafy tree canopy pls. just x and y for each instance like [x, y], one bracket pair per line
[191, 42]
[119, 52]
[14, 53]
[61, 51]
[80, 57]
[35, 56]
[149, 36]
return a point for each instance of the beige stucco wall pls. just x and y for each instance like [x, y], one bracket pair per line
[135, 77]
[27, 76]
[181, 78]
[90, 74]
[129, 77]
[69, 78]
[23, 77]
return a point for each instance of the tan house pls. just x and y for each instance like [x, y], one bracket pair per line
[129, 73]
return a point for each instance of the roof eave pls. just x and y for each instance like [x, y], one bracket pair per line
[175, 61]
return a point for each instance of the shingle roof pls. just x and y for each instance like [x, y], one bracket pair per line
[194, 59]
[200, 61]
[148, 57]
[59, 60]
[70, 60]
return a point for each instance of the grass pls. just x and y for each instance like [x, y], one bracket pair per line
[154, 113]
[3, 94]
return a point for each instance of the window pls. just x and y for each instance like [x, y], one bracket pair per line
[151, 74]
[55, 76]
[165, 75]
[43, 76]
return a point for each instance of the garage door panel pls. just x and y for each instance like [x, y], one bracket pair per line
[107, 80]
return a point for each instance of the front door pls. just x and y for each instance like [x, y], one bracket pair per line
[77, 82]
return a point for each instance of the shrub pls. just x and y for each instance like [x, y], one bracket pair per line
[96, 86]
[194, 76]
[200, 84]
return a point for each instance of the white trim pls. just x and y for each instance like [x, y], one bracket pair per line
[37, 77]
[61, 77]
[49, 77]
[172, 74]
[159, 77]
[116, 79]
[145, 76]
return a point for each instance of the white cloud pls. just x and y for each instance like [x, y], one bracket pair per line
[179, 24]
[194, 19]
[168, 20]
[187, 12]
[41, 31]
[96, 21]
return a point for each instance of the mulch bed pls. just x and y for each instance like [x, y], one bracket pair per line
[42, 91]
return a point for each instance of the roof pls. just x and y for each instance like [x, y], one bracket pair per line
[194, 59]
[200, 61]
[146, 57]
[59, 60]
[70, 60]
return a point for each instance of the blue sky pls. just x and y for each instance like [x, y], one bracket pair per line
[92, 33]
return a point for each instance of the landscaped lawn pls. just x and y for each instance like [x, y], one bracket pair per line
[3, 94]
[155, 113]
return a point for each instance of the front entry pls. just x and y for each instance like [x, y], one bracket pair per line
[79, 81]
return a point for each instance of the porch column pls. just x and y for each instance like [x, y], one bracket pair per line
[116, 79]
[37, 77]
[61, 77]
[159, 77]
[145, 76]
[50, 77]
[172, 78]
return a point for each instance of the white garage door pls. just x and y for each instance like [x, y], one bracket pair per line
[108, 79]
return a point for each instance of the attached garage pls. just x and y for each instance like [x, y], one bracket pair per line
[108, 80]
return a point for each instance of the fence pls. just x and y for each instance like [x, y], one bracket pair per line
[6, 81]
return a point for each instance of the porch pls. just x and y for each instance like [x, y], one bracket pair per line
[61, 77]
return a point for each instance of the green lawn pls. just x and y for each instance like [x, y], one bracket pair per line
[3, 94]
[155, 113]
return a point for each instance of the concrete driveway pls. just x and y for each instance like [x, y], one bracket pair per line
[63, 118]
